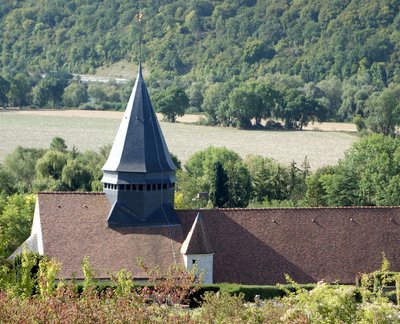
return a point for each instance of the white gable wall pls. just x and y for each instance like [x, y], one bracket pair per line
[204, 264]
[37, 229]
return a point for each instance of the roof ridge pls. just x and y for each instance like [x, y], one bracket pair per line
[88, 193]
[292, 208]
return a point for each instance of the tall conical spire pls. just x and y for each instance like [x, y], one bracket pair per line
[139, 145]
[139, 175]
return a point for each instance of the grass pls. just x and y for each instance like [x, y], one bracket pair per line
[90, 130]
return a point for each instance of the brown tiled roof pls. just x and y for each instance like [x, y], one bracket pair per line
[74, 225]
[258, 246]
[251, 246]
[197, 241]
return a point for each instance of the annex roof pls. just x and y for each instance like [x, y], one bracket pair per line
[197, 241]
[260, 246]
[139, 144]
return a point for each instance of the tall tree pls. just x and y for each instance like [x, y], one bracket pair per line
[219, 194]
[4, 88]
[383, 111]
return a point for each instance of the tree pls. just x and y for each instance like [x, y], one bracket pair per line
[58, 144]
[18, 95]
[383, 111]
[255, 50]
[271, 99]
[171, 102]
[200, 170]
[270, 180]
[20, 164]
[219, 194]
[49, 90]
[4, 88]
[15, 222]
[215, 103]
[98, 91]
[51, 165]
[76, 176]
[299, 110]
[7, 181]
[75, 94]
[244, 104]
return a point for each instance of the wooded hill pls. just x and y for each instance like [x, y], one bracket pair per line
[347, 47]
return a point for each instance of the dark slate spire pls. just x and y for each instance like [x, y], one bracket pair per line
[139, 145]
[139, 175]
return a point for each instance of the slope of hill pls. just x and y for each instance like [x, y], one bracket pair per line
[206, 40]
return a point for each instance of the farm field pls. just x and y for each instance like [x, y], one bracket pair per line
[92, 129]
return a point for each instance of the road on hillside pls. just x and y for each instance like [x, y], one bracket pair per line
[95, 78]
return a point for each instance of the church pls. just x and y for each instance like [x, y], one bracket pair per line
[134, 218]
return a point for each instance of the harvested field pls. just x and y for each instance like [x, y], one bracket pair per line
[92, 129]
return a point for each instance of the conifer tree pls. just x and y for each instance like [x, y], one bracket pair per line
[219, 194]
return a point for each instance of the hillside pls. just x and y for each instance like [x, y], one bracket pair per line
[344, 49]
[210, 40]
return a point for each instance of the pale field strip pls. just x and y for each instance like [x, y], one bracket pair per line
[92, 129]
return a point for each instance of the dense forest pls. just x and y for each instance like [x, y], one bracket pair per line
[332, 57]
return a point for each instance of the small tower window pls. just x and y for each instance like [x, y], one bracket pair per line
[154, 187]
[164, 186]
[159, 186]
[128, 187]
[148, 187]
[134, 187]
[140, 187]
[122, 187]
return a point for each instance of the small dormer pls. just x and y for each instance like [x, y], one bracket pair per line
[139, 175]
[197, 250]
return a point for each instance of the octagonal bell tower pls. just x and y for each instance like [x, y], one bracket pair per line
[139, 175]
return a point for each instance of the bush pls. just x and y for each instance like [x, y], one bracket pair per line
[360, 123]
[87, 106]
[109, 105]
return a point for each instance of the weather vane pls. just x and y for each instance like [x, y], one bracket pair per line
[139, 18]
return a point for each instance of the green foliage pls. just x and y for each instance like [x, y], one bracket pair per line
[200, 173]
[157, 301]
[20, 165]
[219, 193]
[89, 273]
[123, 283]
[360, 123]
[222, 306]
[48, 270]
[58, 144]
[16, 214]
[171, 102]
[298, 110]
[19, 279]
[323, 304]
[383, 111]
[341, 52]
[49, 90]
[75, 94]
[4, 88]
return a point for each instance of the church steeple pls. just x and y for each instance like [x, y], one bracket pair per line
[139, 175]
